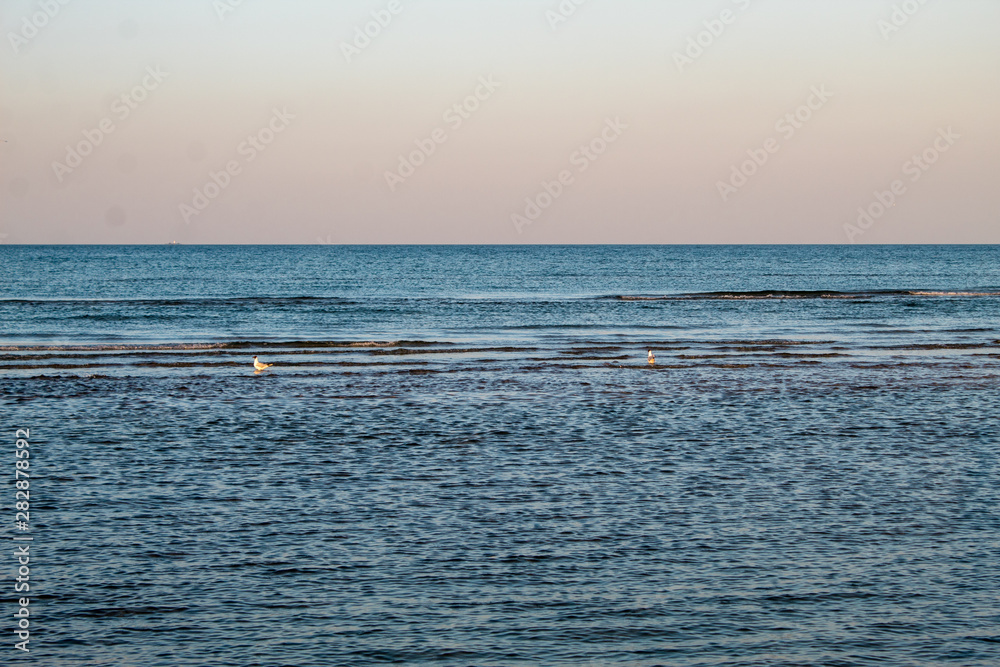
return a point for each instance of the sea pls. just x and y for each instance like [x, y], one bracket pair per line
[461, 455]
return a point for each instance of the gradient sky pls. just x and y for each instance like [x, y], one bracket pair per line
[323, 177]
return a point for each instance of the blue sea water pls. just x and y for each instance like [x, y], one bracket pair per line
[462, 457]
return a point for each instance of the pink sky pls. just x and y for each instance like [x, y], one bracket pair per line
[276, 123]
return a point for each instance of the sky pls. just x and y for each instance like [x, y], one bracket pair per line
[499, 121]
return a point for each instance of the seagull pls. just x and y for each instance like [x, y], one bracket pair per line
[650, 358]
[259, 366]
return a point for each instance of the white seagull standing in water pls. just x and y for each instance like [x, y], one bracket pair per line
[649, 357]
[260, 366]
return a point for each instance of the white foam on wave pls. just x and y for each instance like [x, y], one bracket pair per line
[942, 293]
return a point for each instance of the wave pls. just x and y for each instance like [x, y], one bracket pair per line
[203, 364]
[272, 303]
[402, 351]
[185, 301]
[232, 345]
[801, 294]
[960, 293]
[937, 346]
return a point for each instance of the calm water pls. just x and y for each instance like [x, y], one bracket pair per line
[461, 456]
